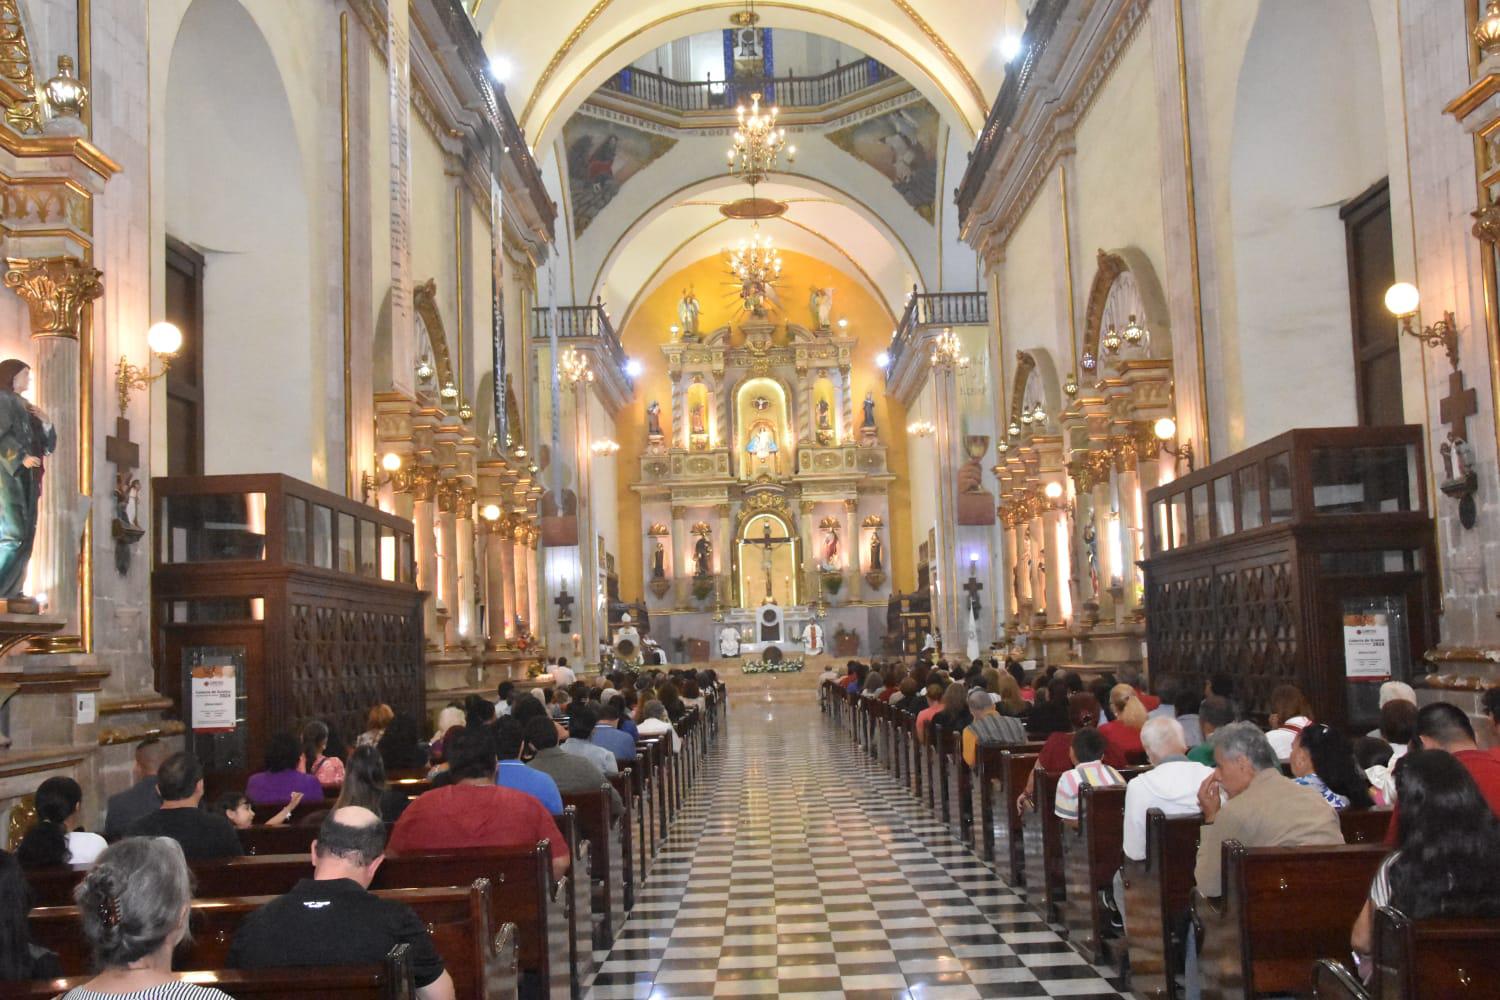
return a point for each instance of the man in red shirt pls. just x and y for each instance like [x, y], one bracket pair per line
[474, 811]
[1441, 726]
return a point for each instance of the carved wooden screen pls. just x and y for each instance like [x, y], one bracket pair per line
[342, 660]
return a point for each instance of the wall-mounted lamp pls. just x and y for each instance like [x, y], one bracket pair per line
[921, 428]
[1053, 490]
[490, 512]
[1165, 430]
[164, 340]
[1403, 300]
[389, 475]
[605, 448]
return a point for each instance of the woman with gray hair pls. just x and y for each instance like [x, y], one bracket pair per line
[134, 909]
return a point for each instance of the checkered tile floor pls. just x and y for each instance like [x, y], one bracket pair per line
[799, 868]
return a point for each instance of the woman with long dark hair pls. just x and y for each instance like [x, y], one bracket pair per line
[365, 784]
[19, 958]
[1447, 857]
[316, 760]
[56, 839]
[1323, 760]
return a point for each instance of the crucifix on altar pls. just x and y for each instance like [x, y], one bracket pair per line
[766, 576]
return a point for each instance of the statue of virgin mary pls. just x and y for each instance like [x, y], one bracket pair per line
[26, 437]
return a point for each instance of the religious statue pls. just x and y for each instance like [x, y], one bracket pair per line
[831, 546]
[821, 304]
[729, 641]
[869, 420]
[762, 443]
[812, 639]
[971, 636]
[1091, 547]
[877, 553]
[824, 420]
[26, 437]
[696, 420]
[687, 314]
[653, 419]
[659, 562]
[703, 557]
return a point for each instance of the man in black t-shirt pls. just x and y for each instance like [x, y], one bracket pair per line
[333, 918]
[203, 835]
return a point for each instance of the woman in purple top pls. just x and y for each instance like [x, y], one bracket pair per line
[281, 778]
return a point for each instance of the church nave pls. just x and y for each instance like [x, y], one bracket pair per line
[800, 868]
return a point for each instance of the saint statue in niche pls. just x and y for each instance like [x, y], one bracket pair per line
[703, 557]
[821, 305]
[1091, 546]
[653, 419]
[696, 419]
[762, 443]
[824, 421]
[26, 437]
[688, 309]
[877, 553]
[869, 421]
[659, 562]
[831, 546]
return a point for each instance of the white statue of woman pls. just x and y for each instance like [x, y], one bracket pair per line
[687, 312]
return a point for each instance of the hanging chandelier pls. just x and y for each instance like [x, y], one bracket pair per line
[756, 266]
[757, 142]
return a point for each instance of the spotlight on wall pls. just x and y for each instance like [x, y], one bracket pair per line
[1165, 430]
[921, 428]
[490, 512]
[1053, 490]
[1010, 46]
[883, 359]
[501, 68]
[1402, 300]
[634, 368]
[605, 448]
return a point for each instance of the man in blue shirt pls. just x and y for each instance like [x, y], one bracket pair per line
[511, 773]
[609, 734]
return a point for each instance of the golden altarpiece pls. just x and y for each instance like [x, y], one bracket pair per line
[764, 484]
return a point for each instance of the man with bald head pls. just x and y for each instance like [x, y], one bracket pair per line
[333, 918]
[142, 798]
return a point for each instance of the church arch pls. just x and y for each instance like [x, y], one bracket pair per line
[1124, 285]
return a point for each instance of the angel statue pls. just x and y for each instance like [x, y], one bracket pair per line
[687, 313]
[821, 304]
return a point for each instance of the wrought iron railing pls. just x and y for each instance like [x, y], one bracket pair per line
[588, 322]
[788, 91]
[929, 309]
[1040, 24]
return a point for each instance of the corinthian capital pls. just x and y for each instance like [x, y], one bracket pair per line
[55, 290]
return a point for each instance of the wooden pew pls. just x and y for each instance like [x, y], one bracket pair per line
[954, 774]
[1001, 774]
[580, 901]
[607, 864]
[1365, 826]
[1283, 908]
[1415, 959]
[1157, 894]
[389, 980]
[623, 784]
[1091, 856]
[480, 959]
[1040, 835]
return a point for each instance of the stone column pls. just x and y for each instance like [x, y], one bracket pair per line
[424, 494]
[845, 429]
[726, 561]
[1103, 507]
[812, 586]
[518, 569]
[497, 611]
[1054, 522]
[851, 543]
[1130, 539]
[466, 620]
[1008, 565]
[679, 408]
[1035, 552]
[506, 546]
[720, 436]
[447, 533]
[678, 570]
[56, 291]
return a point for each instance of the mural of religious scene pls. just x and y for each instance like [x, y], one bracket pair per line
[602, 156]
[903, 145]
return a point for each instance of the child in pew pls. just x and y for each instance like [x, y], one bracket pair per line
[1447, 857]
[237, 808]
[1087, 754]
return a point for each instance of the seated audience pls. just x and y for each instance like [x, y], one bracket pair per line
[401, 745]
[375, 725]
[1374, 757]
[365, 785]
[1123, 732]
[1491, 703]
[281, 778]
[1396, 691]
[450, 716]
[562, 674]
[1264, 807]
[1166, 689]
[1083, 712]
[203, 836]
[955, 716]
[1088, 769]
[1171, 784]
[58, 837]
[1323, 761]
[1185, 708]
[505, 697]
[20, 959]
[134, 908]
[141, 798]
[438, 773]
[315, 760]
[654, 723]
[988, 727]
[874, 684]
[1131, 675]
[478, 711]
[1398, 726]
[513, 750]
[1290, 712]
[474, 812]
[1215, 712]
[581, 724]
[1446, 861]
[934, 706]
[1049, 714]
[334, 919]
[1006, 694]
[573, 774]
[627, 724]
[1442, 726]
[611, 735]
[237, 808]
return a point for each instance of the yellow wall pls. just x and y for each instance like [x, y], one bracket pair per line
[648, 328]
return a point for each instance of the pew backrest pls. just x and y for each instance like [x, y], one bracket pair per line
[1447, 957]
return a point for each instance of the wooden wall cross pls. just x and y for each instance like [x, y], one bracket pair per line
[1458, 406]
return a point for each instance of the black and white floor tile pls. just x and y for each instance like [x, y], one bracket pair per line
[799, 868]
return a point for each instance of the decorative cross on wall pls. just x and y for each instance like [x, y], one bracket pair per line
[126, 456]
[564, 602]
[1459, 405]
[973, 587]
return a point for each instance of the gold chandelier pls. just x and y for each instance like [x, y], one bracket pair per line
[757, 142]
[756, 265]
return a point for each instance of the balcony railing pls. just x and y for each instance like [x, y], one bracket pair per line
[788, 91]
[1040, 24]
[929, 309]
[588, 322]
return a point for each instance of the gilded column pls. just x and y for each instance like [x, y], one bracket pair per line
[1054, 523]
[812, 586]
[424, 527]
[846, 411]
[56, 291]
[466, 619]
[496, 613]
[505, 542]
[679, 572]
[720, 436]
[447, 547]
[522, 556]
[1011, 581]
[517, 549]
[679, 424]
[851, 540]
[1036, 572]
[726, 563]
[1103, 513]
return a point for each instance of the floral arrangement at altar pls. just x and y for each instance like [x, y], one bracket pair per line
[771, 667]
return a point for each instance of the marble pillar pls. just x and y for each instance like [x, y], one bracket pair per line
[846, 410]
[1130, 538]
[466, 618]
[424, 529]
[1036, 573]
[497, 612]
[1103, 492]
[517, 576]
[506, 548]
[1056, 556]
[812, 585]
[851, 549]
[1008, 561]
[722, 555]
[533, 582]
[447, 536]
[679, 570]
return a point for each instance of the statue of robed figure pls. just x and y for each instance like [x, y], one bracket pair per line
[26, 437]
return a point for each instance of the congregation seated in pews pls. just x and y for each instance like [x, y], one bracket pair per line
[493, 896]
[1237, 862]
